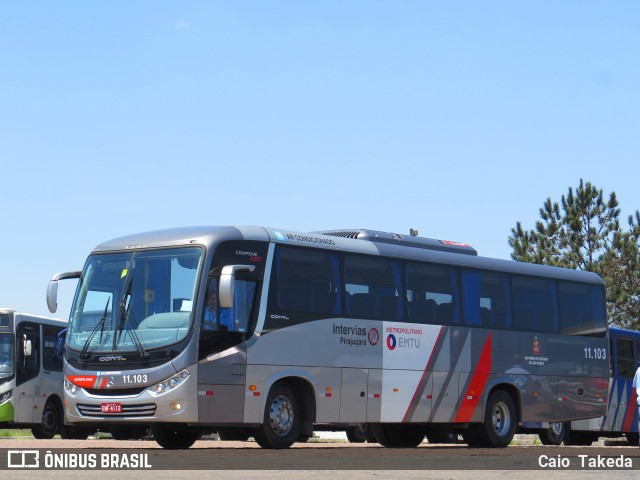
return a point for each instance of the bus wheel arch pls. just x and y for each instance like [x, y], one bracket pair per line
[52, 419]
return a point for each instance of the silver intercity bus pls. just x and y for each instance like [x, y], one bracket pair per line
[270, 333]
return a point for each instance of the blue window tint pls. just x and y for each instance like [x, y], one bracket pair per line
[626, 361]
[486, 299]
[373, 288]
[432, 294]
[534, 304]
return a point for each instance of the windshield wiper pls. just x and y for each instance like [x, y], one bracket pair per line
[85, 348]
[125, 311]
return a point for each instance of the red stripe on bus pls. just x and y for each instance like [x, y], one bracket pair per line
[418, 393]
[479, 380]
[631, 409]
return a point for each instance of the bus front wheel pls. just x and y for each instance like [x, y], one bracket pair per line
[282, 422]
[173, 436]
[51, 422]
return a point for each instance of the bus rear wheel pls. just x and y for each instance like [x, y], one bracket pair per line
[282, 421]
[499, 424]
[553, 435]
[51, 422]
[360, 433]
[174, 437]
[398, 435]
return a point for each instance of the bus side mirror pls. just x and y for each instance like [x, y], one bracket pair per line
[228, 283]
[26, 345]
[52, 289]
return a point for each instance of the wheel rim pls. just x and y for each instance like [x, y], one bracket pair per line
[362, 429]
[281, 415]
[49, 420]
[556, 429]
[501, 419]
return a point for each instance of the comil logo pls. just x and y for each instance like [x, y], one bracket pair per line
[23, 459]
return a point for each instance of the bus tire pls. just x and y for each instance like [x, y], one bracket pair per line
[579, 439]
[75, 433]
[360, 433]
[51, 422]
[174, 436]
[398, 435]
[499, 424]
[554, 435]
[632, 438]
[438, 437]
[282, 421]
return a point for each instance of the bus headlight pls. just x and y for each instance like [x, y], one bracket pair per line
[70, 388]
[170, 383]
[6, 396]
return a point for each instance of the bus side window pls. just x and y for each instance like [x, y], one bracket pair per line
[51, 356]
[485, 299]
[305, 282]
[626, 361]
[581, 309]
[28, 366]
[374, 287]
[535, 304]
[432, 294]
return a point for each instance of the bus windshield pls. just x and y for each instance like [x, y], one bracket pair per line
[6, 356]
[134, 301]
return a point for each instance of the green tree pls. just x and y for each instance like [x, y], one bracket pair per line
[583, 232]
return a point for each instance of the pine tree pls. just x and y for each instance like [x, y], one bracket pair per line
[583, 232]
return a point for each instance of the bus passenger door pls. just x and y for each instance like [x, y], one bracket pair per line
[27, 370]
[353, 395]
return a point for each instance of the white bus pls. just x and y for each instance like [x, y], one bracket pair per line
[31, 380]
[251, 330]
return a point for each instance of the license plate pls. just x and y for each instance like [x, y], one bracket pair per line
[111, 407]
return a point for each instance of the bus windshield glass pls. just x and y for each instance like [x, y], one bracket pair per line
[6, 356]
[134, 301]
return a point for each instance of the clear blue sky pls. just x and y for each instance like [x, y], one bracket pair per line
[455, 118]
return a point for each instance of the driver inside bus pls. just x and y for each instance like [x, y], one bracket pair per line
[211, 311]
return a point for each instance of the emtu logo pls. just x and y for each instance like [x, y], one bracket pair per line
[391, 341]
